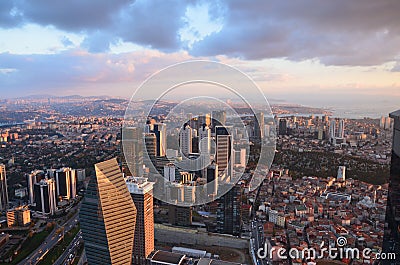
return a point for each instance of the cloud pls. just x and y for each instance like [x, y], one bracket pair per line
[336, 33]
[24, 74]
[339, 32]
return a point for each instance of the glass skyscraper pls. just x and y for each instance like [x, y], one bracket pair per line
[392, 233]
[108, 217]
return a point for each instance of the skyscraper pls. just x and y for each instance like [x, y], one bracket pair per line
[141, 191]
[332, 131]
[65, 183]
[185, 139]
[151, 144]
[223, 150]
[45, 196]
[204, 139]
[212, 179]
[282, 126]
[32, 179]
[259, 124]
[108, 217]
[160, 130]
[133, 149]
[3, 188]
[229, 216]
[392, 233]
[341, 129]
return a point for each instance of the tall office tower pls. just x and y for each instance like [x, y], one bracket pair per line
[45, 196]
[341, 174]
[212, 179]
[259, 125]
[32, 179]
[65, 183]
[180, 216]
[3, 188]
[141, 191]
[332, 131]
[170, 172]
[382, 122]
[229, 217]
[204, 139]
[341, 129]
[282, 126]
[223, 150]
[387, 123]
[218, 118]
[108, 217]
[133, 149]
[160, 130]
[185, 139]
[392, 232]
[150, 140]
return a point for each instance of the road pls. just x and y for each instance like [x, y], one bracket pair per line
[71, 250]
[257, 233]
[49, 243]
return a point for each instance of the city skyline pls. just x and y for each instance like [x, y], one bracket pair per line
[343, 57]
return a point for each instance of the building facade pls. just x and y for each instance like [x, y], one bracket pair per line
[108, 217]
[141, 191]
[3, 188]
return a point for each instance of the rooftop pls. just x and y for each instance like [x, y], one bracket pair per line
[168, 257]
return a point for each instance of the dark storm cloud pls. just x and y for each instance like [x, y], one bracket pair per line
[335, 32]
[72, 15]
[9, 15]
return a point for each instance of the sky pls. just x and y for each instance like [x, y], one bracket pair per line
[318, 53]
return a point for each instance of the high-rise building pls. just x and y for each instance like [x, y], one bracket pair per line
[32, 179]
[229, 216]
[108, 217]
[332, 131]
[45, 196]
[204, 139]
[392, 233]
[185, 139]
[133, 149]
[3, 188]
[223, 150]
[18, 216]
[151, 144]
[160, 130]
[65, 183]
[212, 179]
[341, 129]
[282, 127]
[382, 122]
[141, 191]
[259, 124]
[180, 216]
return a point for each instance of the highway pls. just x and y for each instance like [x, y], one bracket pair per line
[70, 253]
[49, 243]
[257, 233]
